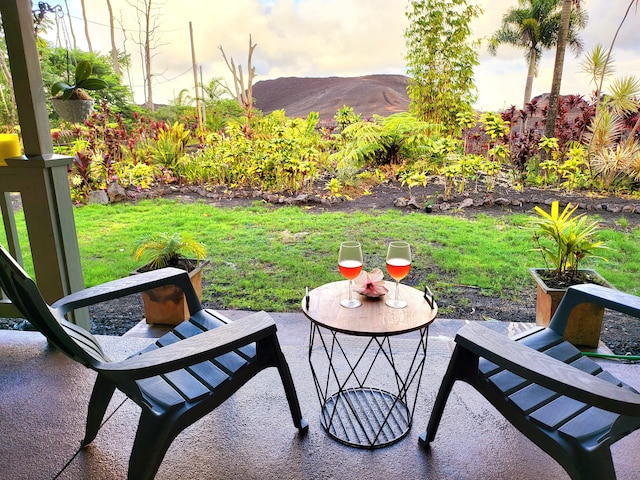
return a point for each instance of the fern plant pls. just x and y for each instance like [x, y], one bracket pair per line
[163, 249]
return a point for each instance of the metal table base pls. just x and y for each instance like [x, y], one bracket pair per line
[353, 412]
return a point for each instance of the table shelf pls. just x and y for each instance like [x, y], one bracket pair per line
[365, 417]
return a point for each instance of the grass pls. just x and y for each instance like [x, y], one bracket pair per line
[263, 257]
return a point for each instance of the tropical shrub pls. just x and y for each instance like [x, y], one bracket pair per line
[386, 140]
[567, 239]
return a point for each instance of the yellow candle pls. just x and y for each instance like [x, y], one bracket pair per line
[9, 147]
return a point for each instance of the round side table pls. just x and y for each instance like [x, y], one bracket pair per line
[354, 410]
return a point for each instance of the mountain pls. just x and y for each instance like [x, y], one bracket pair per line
[380, 94]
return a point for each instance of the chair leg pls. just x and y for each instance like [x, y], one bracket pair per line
[152, 441]
[100, 398]
[289, 388]
[457, 361]
[593, 464]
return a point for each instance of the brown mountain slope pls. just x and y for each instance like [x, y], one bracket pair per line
[380, 94]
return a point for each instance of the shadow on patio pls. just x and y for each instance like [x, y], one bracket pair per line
[44, 396]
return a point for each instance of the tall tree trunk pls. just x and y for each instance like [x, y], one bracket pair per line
[86, 25]
[73, 34]
[147, 55]
[112, 31]
[531, 73]
[563, 33]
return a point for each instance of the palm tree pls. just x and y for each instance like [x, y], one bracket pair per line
[534, 26]
[561, 45]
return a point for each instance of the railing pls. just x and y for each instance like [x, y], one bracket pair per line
[7, 309]
[42, 183]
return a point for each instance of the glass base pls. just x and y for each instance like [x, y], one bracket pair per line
[396, 303]
[350, 303]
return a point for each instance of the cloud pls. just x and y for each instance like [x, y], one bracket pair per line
[319, 38]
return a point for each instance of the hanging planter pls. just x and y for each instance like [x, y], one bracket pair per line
[73, 103]
[72, 110]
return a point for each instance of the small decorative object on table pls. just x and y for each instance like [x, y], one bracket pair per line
[370, 284]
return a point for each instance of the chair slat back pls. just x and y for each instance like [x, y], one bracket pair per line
[73, 340]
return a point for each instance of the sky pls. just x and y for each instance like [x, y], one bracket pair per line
[323, 38]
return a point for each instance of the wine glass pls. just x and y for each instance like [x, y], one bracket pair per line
[398, 266]
[350, 265]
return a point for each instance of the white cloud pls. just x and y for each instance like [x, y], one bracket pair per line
[318, 38]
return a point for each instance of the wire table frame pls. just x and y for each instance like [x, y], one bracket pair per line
[349, 347]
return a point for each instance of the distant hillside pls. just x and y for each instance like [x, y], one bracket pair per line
[380, 94]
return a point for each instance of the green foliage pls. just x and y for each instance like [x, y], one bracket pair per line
[414, 179]
[597, 64]
[346, 116]
[168, 150]
[141, 175]
[571, 239]
[160, 250]
[613, 149]
[440, 60]
[272, 153]
[386, 140]
[83, 81]
[494, 126]
[222, 111]
[548, 144]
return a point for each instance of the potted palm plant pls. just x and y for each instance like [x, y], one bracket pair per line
[565, 241]
[167, 305]
[72, 102]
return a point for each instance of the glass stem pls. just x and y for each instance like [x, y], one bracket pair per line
[397, 284]
[350, 284]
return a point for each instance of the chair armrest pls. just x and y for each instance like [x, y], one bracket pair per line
[547, 371]
[598, 295]
[193, 350]
[128, 285]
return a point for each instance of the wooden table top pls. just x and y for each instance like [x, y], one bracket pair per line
[373, 317]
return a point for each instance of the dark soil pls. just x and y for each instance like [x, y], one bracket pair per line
[620, 333]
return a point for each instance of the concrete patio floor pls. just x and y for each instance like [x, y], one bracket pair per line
[44, 396]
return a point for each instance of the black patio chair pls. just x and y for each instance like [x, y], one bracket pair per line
[562, 401]
[178, 379]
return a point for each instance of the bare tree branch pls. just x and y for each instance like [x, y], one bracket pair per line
[244, 95]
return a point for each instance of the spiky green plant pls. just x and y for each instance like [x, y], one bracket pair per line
[572, 239]
[164, 249]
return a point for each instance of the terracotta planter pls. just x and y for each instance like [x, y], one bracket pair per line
[73, 110]
[585, 322]
[167, 305]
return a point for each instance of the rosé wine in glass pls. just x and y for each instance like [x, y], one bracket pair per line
[350, 269]
[398, 266]
[350, 266]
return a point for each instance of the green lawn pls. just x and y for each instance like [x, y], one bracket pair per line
[263, 257]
